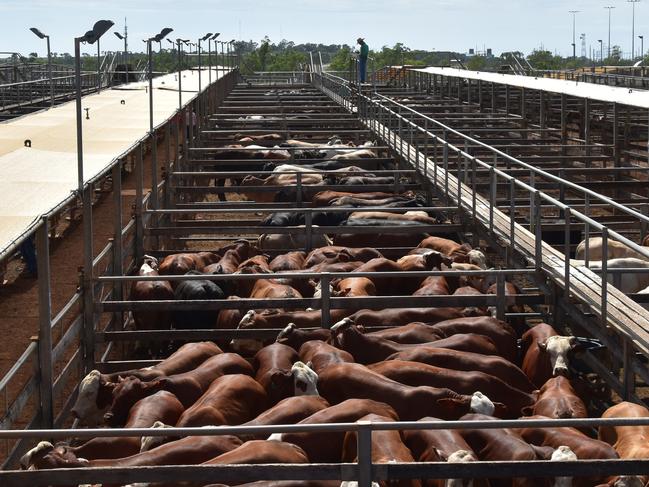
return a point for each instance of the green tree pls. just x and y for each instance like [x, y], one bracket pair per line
[477, 63]
[340, 61]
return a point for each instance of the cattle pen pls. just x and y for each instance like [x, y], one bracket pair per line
[523, 172]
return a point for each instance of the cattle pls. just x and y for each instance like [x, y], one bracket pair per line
[233, 256]
[546, 353]
[295, 337]
[191, 450]
[283, 241]
[287, 411]
[324, 198]
[470, 291]
[342, 381]
[321, 355]
[360, 180]
[274, 318]
[358, 154]
[557, 399]
[230, 399]
[498, 331]
[274, 366]
[452, 359]
[615, 250]
[584, 447]
[409, 216]
[387, 447]
[629, 282]
[433, 286]
[161, 406]
[291, 261]
[273, 184]
[203, 289]
[368, 349]
[630, 442]
[441, 445]
[410, 333]
[502, 444]
[463, 382]
[261, 451]
[179, 264]
[403, 316]
[188, 387]
[326, 447]
[151, 291]
[457, 252]
[95, 390]
[335, 254]
[354, 287]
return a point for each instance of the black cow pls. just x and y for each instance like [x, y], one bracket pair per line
[195, 290]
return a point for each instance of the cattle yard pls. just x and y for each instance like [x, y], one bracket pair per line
[519, 176]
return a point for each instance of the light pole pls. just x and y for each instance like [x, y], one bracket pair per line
[601, 50]
[574, 23]
[209, 50]
[154, 162]
[204, 38]
[179, 43]
[92, 36]
[231, 50]
[609, 29]
[223, 54]
[125, 39]
[49, 61]
[633, 2]
[641, 46]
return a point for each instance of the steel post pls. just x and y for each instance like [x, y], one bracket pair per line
[46, 379]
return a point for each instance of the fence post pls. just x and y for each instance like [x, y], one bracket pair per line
[629, 376]
[325, 297]
[118, 259]
[364, 451]
[500, 294]
[139, 195]
[604, 275]
[298, 180]
[566, 251]
[492, 196]
[46, 382]
[308, 228]
[512, 221]
[538, 235]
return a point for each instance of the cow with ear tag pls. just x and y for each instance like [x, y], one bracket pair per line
[546, 353]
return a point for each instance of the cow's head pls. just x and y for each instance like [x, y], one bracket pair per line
[563, 454]
[628, 481]
[150, 442]
[434, 260]
[151, 262]
[94, 397]
[286, 332]
[477, 257]
[558, 347]
[127, 392]
[32, 456]
[481, 404]
[305, 379]
[246, 345]
[460, 456]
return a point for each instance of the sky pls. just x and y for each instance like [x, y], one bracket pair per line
[457, 25]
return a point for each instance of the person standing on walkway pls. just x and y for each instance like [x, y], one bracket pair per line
[362, 59]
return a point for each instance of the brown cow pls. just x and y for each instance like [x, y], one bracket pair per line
[322, 355]
[191, 450]
[462, 382]
[630, 442]
[370, 349]
[288, 411]
[295, 337]
[387, 447]
[557, 399]
[503, 444]
[332, 255]
[439, 445]
[162, 406]
[324, 198]
[292, 261]
[452, 359]
[546, 353]
[187, 387]
[342, 381]
[408, 334]
[323, 447]
[403, 316]
[95, 390]
[583, 446]
[433, 286]
[151, 291]
[230, 399]
[180, 264]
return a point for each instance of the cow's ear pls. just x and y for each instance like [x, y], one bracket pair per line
[542, 345]
[440, 454]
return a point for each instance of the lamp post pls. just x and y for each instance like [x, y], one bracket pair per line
[99, 29]
[204, 38]
[49, 61]
[231, 50]
[125, 39]
[574, 23]
[601, 50]
[154, 163]
[633, 2]
[641, 46]
[223, 54]
[213, 38]
[179, 43]
[609, 29]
